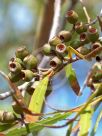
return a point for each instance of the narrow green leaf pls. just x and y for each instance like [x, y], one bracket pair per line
[96, 124]
[4, 127]
[72, 78]
[85, 121]
[38, 96]
[69, 129]
[38, 125]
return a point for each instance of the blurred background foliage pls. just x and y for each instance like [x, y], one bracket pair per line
[26, 22]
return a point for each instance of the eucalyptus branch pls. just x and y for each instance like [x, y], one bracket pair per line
[5, 95]
[54, 29]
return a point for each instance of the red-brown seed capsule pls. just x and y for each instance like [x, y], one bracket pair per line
[55, 62]
[80, 27]
[15, 67]
[93, 34]
[84, 38]
[14, 59]
[96, 45]
[61, 48]
[72, 16]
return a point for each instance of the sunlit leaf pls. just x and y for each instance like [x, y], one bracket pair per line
[96, 124]
[85, 121]
[71, 75]
[37, 99]
[38, 125]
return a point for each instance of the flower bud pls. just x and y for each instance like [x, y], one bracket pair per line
[54, 41]
[84, 38]
[80, 27]
[65, 35]
[27, 75]
[46, 49]
[30, 61]
[21, 52]
[14, 77]
[15, 67]
[72, 16]
[55, 62]
[93, 34]
[61, 48]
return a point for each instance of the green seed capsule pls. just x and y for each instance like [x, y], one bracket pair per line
[47, 49]
[27, 75]
[14, 77]
[15, 67]
[84, 38]
[65, 35]
[72, 16]
[80, 27]
[30, 61]
[17, 109]
[93, 34]
[61, 48]
[55, 62]
[21, 52]
[54, 41]
[7, 117]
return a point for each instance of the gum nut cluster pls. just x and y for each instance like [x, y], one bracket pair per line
[23, 66]
[57, 47]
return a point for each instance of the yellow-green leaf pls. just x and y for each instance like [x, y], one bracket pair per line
[96, 124]
[85, 121]
[37, 99]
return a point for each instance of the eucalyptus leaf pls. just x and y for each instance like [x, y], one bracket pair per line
[4, 127]
[72, 78]
[37, 99]
[38, 125]
[85, 121]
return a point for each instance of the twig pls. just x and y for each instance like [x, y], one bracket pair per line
[5, 95]
[85, 11]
